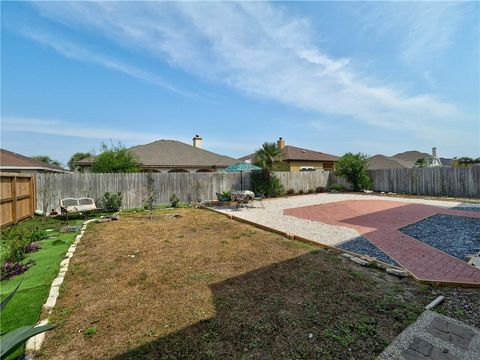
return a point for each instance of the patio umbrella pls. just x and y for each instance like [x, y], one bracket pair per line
[242, 167]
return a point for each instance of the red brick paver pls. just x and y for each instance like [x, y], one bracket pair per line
[379, 221]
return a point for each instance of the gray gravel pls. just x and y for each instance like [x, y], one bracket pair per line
[360, 245]
[468, 207]
[456, 235]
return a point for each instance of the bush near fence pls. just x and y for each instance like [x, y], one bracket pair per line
[196, 187]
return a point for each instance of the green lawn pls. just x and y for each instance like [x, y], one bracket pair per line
[26, 306]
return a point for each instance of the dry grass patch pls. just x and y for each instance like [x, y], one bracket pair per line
[204, 286]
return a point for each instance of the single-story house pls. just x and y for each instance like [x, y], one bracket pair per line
[169, 156]
[405, 160]
[16, 163]
[299, 159]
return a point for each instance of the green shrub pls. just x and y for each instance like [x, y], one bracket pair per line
[337, 187]
[15, 239]
[174, 201]
[111, 201]
[266, 183]
[320, 189]
[300, 191]
[290, 191]
[353, 167]
[310, 191]
[38, 235]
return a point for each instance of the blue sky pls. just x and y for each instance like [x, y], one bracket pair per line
[374, 77]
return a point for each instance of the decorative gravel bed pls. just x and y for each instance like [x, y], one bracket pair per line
[360, 245]
[456, 235]
[468, 207]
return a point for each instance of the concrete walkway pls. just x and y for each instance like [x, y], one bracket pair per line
[379, 221]
[435, 337]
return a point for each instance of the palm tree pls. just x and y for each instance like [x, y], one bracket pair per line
[267, 155]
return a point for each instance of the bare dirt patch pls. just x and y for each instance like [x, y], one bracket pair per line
[203, 286]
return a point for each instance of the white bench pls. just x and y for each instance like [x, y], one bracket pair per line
[80, 205]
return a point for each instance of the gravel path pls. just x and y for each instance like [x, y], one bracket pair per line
[360, 245]
[468, 207]
[272, 216]
[456, 235]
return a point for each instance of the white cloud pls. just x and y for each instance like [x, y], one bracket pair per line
[424, 29]
[74, 51]
[262, 51]
[63, 128]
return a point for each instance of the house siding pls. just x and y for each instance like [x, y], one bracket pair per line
[295, 165]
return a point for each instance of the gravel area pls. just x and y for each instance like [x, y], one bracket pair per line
[468, 207]
[272, 216]
[456, 235]
[360, 245]
[459, 303]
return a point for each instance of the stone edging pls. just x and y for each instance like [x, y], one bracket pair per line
[35, 342]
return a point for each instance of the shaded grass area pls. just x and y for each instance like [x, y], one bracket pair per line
[26, 306]
[201, 286]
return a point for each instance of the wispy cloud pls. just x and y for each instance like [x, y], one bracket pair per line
[63, 128]
[262, 51]
[424, 29]
[74, 51]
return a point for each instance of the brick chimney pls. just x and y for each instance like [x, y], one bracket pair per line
[197, 141]
[434, 152]
[280, 143]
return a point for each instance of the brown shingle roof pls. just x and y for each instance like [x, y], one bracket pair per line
[412, 155]
[385, 162]
[172, 153]
[290, 153]
[12, 161]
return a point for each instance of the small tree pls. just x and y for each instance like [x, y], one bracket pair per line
[265, 182]
[151, 194]
[421, 163]
[47, 159]
[353, 167]
[115, 159]
[77, 157]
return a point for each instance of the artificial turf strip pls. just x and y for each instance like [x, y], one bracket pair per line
[26, 306]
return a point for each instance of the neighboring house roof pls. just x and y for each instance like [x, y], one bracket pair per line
[13, 161]
[292, 153]
[446, 161]
[172, 153]
[412, 155]
[385, 162]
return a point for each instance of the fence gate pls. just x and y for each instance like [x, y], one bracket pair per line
[17, 197]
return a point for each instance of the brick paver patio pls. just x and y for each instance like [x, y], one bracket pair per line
[379, 221]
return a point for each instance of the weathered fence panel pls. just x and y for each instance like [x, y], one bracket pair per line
[187, 187]
[440, 181]
[17, 197]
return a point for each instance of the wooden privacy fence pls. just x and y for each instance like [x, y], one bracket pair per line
[17, 197]
[439, 181]
[196, 187]
[188, 187]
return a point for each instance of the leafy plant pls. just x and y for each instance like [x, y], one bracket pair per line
[9, 270]
[18, 336]
[226, 194]
[174, 201]
[151, 194]
[115, 159]
[353, 167]
[421, 163]
[337, 187]
[267, 155]
[38, 235]
[290, 191]
[90, 331]
[14, 241]
[32, 247]
[320, 189]
[111, 201]
[265, 182]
